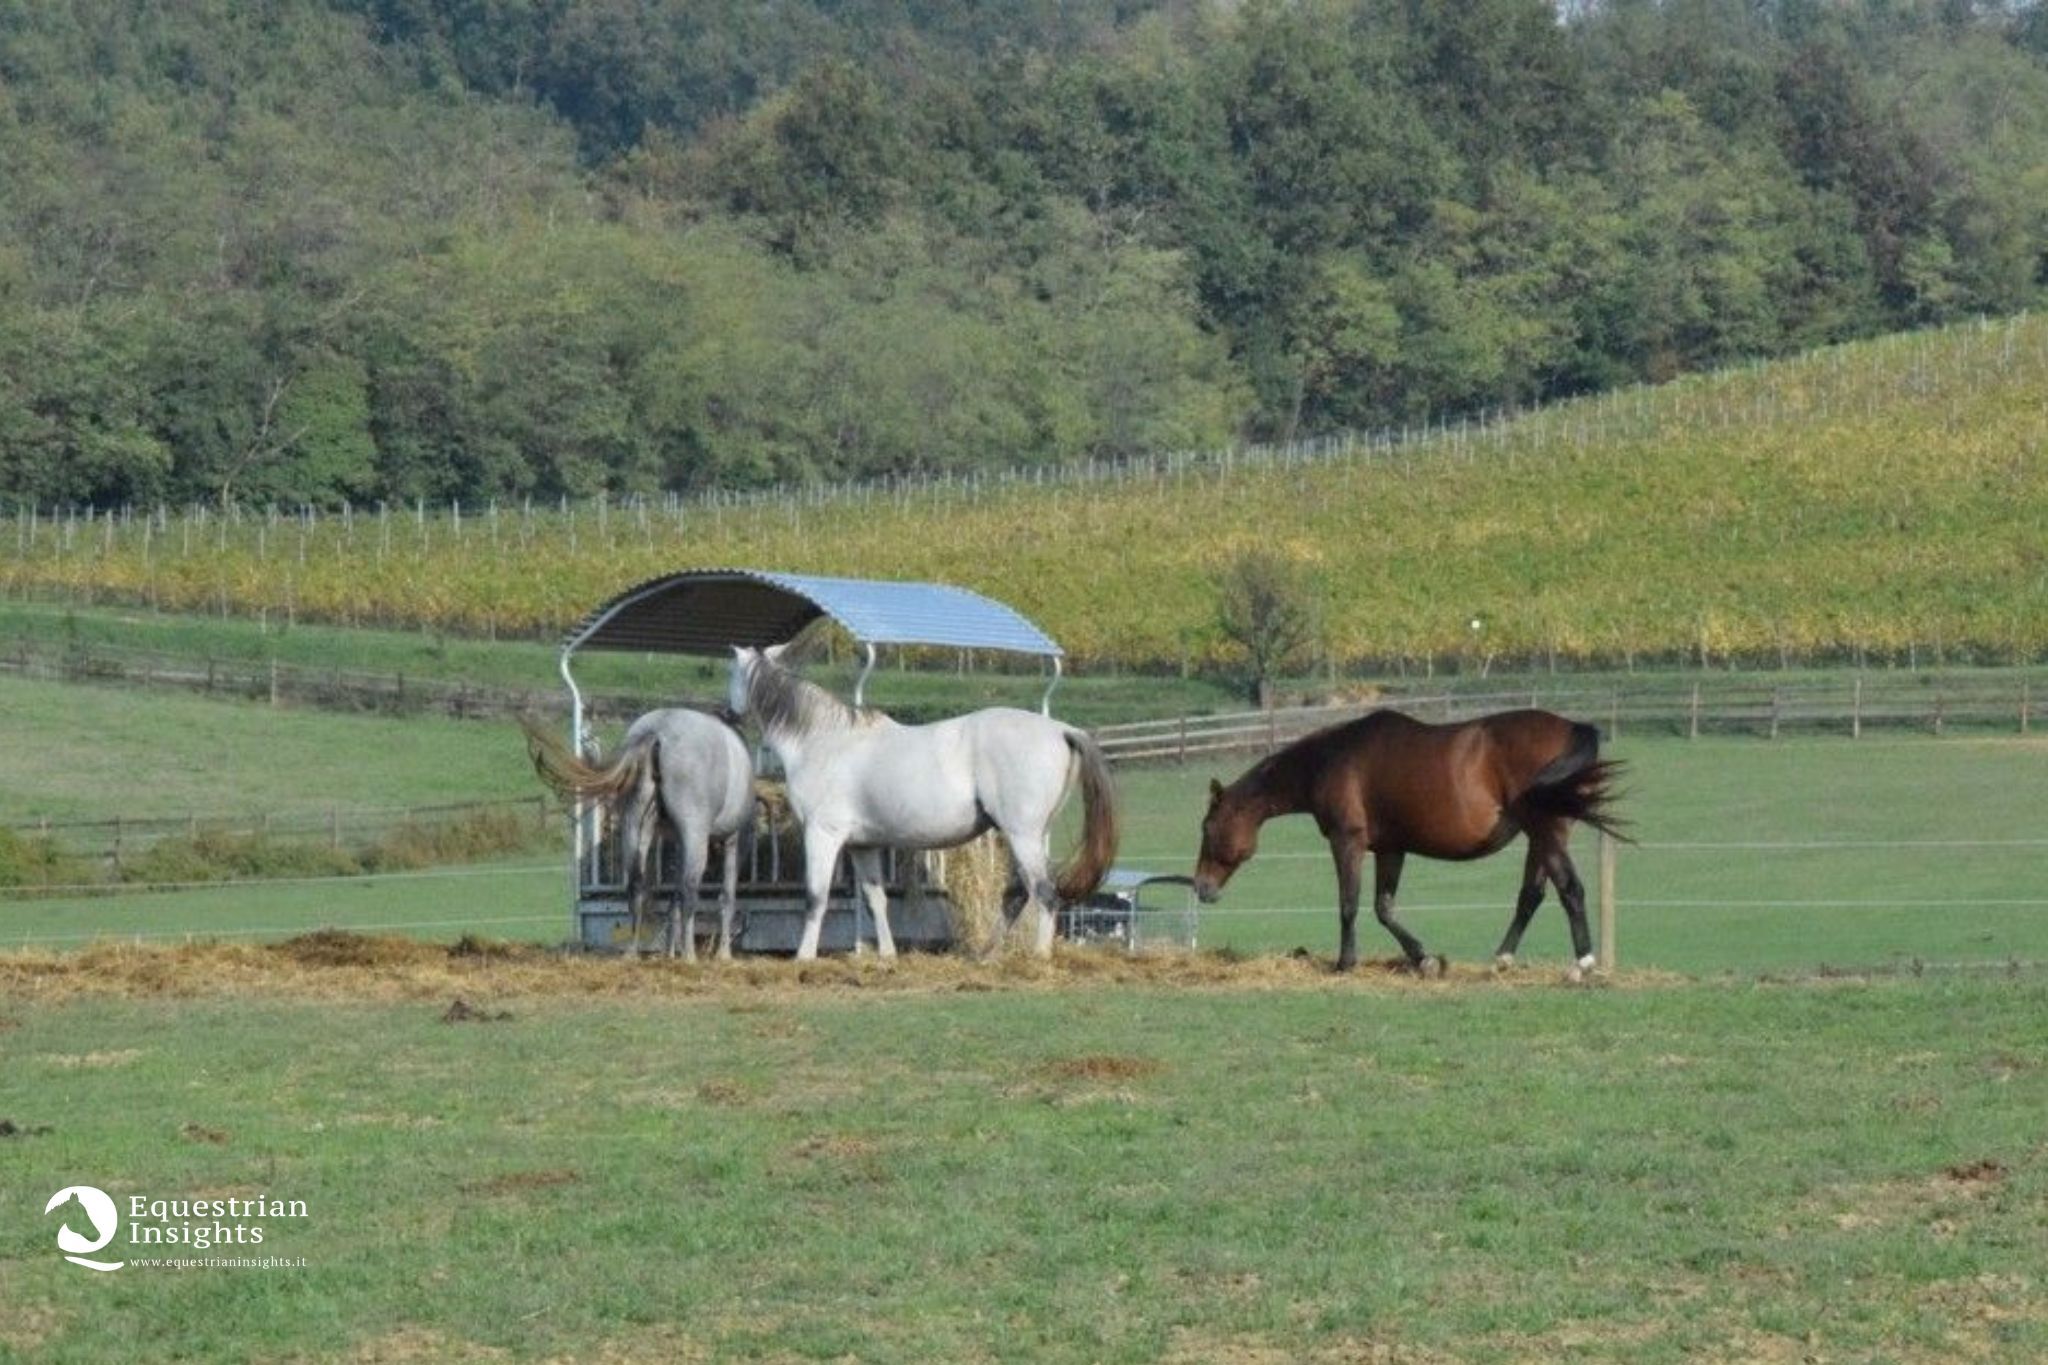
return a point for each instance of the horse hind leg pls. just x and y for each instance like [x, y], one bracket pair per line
[1033, 885]
[1034, 872]
[636, 833]
[874, 889]
[1572, 892]
[692, 852]
[1533, 874]
[728, 897]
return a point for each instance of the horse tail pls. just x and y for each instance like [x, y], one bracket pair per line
[1577, 785]
[574, 778]
[1090, 863]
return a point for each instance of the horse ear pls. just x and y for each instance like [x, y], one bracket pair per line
[773, 653]
[1215, 791]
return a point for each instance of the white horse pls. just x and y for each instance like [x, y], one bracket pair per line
[861, 782]
[689, 766]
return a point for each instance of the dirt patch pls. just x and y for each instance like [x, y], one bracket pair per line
[1100, 1066]
[1190, 1346]
[198, 1132]
[415, 1345]
[332, 965]
[836, 1147]
[462, 1012]
[1985, 1171]
[722, 1092]
[27, 1327]
[75, 1061]
[519, 1182]
[10, 1129]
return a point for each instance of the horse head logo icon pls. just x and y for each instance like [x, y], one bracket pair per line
[99, 1210]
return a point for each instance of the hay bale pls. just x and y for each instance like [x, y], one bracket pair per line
[975, 875]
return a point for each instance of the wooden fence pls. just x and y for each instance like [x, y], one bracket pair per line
[1849, 705]
[109, 840]
[282, 684]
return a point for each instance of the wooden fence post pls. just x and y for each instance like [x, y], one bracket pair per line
[1774, 712]
[1856, 710]
[1608, 847]
[1694, 729]
[2026, 702]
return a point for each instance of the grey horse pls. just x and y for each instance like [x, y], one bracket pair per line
[686, 765]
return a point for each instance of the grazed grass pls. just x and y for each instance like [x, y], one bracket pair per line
[1088, 1171]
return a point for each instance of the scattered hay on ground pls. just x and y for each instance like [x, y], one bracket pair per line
[519, 1182]
[333, 965]
[1100, 1067]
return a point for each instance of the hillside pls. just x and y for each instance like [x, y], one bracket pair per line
[1881, 498]
[331, 251]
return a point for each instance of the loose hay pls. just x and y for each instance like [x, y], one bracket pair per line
[975, 876]
[332, 965]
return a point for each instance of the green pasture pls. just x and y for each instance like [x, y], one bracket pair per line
[1843, 1171]
[927, 686]
[1927, 850]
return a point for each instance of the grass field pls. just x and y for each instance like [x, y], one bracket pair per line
[1725, 1154]
[1044, 1167]
[62, 749]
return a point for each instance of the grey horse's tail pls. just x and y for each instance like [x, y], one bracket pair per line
[573, 777]
[1091, 859]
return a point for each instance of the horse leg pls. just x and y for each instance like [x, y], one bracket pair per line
[1533, 873]
[728, 897]
[867, 873]
[692, 852]
[1349, 854]
[1572, 892]
[637, 838]
[1034, 873]
[1386, 870]
[821, 860]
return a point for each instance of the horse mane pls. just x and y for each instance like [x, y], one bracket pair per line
[784, 701]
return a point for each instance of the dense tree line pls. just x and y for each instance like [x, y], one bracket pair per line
[316, 250]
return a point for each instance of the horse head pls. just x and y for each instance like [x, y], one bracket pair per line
[1230, 836]
[739, 682]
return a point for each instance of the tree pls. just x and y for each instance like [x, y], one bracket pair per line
[1268, 606]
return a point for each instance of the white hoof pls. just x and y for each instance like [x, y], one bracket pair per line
[1503, 961]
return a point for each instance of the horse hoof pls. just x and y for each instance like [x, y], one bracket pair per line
[1429, 968]
[1503, 962]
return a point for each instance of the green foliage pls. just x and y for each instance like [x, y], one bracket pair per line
[1870, 497]
[343, 251]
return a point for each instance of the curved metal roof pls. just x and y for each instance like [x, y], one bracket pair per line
[706, 611]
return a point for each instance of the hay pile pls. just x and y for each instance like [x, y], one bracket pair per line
[332, 965]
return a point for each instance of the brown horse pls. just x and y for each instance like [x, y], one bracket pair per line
[1395, 786]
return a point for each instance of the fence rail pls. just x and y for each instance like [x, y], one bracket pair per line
[295, 684]
[1851, 705]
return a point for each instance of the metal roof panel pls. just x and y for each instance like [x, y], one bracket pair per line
[706, 611]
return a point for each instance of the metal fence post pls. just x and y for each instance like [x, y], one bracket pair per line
[1608, 847]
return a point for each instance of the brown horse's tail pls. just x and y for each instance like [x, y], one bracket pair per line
[1090, 862]
[573, 778]
[1577, 785]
